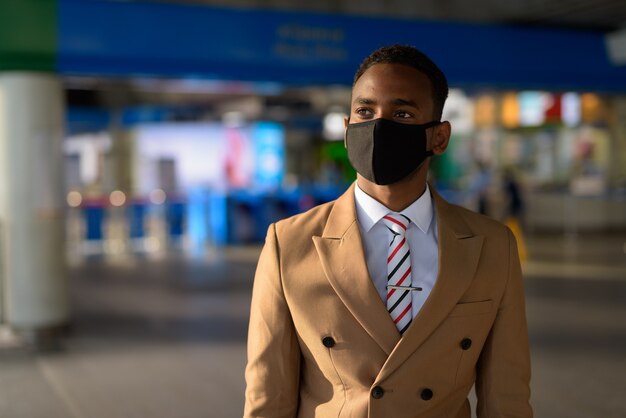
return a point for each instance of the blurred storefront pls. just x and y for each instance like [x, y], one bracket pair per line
[193, 183]
[566, 151]
[155, 183]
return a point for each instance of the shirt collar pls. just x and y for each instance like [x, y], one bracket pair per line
[370, 211]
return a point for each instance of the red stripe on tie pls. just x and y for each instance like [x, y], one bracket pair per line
[390, 219]
[396, 250]
[399, 318]
[408, 271]
[400, 282]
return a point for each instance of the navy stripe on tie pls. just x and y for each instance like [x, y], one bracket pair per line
[405, 328]
[406, 292]
[398, 266]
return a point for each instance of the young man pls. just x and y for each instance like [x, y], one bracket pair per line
[389, 302]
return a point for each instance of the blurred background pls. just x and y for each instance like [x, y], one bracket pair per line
[146, 146]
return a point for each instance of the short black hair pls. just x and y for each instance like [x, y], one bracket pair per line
[412, 57]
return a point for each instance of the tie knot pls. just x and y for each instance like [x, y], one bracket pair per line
[397, 222]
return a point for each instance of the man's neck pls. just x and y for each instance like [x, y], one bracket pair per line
[397, 196]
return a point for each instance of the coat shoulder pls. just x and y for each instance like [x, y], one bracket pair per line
[304, 225]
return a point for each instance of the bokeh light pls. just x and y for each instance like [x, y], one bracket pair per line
[117, 198]
[158, 197]
[74, 199]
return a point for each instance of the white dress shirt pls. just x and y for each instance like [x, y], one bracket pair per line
[421, 236]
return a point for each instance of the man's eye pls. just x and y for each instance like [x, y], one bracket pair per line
[403, 115]
[364, 112]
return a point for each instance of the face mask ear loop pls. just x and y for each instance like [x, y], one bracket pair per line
[432, 124]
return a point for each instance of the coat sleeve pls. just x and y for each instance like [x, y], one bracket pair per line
[503, 374]
[273, 369]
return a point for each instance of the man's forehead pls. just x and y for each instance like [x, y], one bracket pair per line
[384, 76]
[384, 69]
[392, 84]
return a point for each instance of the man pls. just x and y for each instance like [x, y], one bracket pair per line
[389, 302]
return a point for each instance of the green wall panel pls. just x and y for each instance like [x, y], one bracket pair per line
[28, 35]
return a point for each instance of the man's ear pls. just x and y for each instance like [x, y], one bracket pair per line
[441, 137]
[346, 121]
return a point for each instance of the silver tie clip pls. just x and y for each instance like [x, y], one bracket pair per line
[390, 286]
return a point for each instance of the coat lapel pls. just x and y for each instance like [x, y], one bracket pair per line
[459, 252]
[340, 250]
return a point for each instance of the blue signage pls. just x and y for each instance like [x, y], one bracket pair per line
[174, 40]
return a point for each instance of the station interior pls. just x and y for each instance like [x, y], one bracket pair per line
[146, 146]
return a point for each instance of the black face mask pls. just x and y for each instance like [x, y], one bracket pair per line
[384, 151]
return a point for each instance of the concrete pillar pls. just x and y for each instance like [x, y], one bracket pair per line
[34, 295]
[121, 155]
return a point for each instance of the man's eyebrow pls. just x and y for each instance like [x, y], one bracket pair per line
[397, 102]
[364, 100]
[405, 102]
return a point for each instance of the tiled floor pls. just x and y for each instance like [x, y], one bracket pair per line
[166, 338]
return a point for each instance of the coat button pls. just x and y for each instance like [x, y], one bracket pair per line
[377, 392]
[466, 343]
[328, 342]
[427, 394]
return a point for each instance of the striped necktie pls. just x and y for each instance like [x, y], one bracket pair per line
[398, 271]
